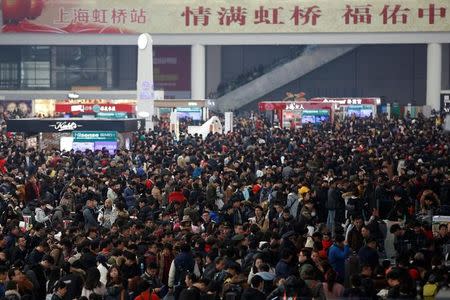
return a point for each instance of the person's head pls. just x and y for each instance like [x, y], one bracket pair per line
[92, 233]
[339, 239]
[190, 279]
[286, 254]
[257, 282]
[113, 273]
[258, 262]
[153, 248]
[396, 230]
[278, 207]
[206, 217]
[130, 258]
[371, 243]
[91, 203]
[22, 242]
[443, 230]
[259, 211]
[220, 263]
[315, 256]
[233, 268]
[393, 277]
[365, 232]
[366, 270]
[61, 288]
[3, 273]
[286, 213]
[304, 255]
[47, 262]
[108, 203]
[358, 222]
[152, 269]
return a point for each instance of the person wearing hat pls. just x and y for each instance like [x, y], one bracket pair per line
[186, 224]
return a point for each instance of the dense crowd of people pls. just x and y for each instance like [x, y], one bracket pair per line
[341, 210]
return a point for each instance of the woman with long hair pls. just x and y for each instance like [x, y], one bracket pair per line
[93, 284]
[332, 289]
[114, 286]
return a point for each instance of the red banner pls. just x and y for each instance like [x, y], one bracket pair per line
[299, 105]
[94, 108]
[349, 101]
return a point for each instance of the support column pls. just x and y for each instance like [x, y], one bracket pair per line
[434, 75]
[198, 72]
[213, 68]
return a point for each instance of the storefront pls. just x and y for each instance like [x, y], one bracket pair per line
[348, 107]
[77, 134]
[287, 114]
[193, 111]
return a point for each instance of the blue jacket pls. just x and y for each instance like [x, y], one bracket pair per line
[128, 195]
[337, 257]
[283, 269]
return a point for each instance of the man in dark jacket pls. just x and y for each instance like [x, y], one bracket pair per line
[332, 199]
[369, 254]
[90, 220]
[254, 292]
[355, 238]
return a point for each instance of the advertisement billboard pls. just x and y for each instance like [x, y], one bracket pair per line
[221, 16]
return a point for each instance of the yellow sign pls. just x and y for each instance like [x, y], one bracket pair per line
[224, 16]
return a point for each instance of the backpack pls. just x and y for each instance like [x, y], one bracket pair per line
[317, 291]
[429, 291]
[234, 292]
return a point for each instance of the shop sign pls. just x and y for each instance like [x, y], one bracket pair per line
[93, 136]
[112, 115]
[65, 126]
[316, 112]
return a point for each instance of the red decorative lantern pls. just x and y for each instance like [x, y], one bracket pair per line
[36, 7]
[15, 10]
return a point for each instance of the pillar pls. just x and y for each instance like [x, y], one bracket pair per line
[434, 75]
[198, 72]
[213, 68]
[145, 107]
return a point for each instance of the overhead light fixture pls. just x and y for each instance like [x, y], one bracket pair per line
[192, 103]
[73, 96]
[143, 40]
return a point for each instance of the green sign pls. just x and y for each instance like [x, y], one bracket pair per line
[359, 107]
[112, 115]
[315, 112]
[94, 136]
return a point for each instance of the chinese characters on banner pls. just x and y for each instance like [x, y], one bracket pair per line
[221, 16]
[309, 15]
[101, 16]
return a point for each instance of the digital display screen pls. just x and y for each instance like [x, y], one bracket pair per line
[110, 146]
[82, 146]
[359, 113]
[192, 113]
